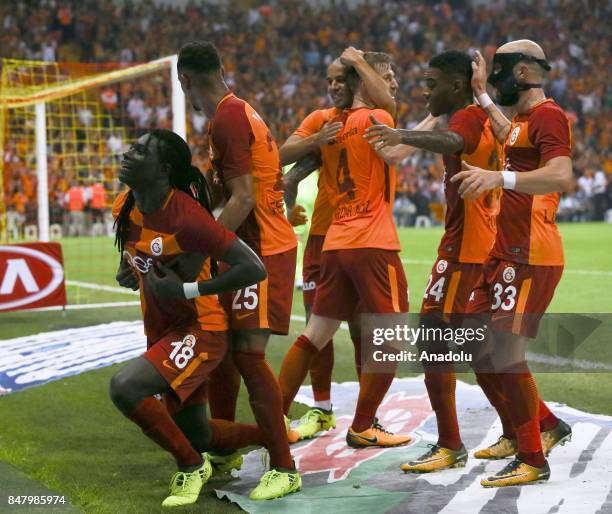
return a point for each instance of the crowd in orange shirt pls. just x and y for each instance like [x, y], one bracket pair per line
[275, 58]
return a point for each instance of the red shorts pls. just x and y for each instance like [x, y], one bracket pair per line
[186, 357]
[312, 267]
[449, 287]
[268, 303]
[363, 280]
[516, 295]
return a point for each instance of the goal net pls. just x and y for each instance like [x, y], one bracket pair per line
[63, 129]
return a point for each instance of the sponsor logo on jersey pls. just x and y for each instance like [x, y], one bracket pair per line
[138, 263]
[515, 134]
[157, 246]
[509, 274]
[309, 286]
[441, 266]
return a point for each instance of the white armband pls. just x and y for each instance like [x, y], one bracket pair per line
[484, 100]
[191, 290]
[509, 179]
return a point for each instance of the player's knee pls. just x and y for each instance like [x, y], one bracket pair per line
[120, 388]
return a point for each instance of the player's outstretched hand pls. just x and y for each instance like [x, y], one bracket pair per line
[328, 132]
[479, 74]
[351, 56]
[475, 181]
[164, 282]
[126, 276]
[297, 216]
[380, 135]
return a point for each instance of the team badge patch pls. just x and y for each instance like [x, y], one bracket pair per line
[514, 135]
[509, 274]
[157, 246]
[441, 267]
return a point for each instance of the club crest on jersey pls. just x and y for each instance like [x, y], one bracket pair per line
[515, 134]
[509, 274]
[189, 340]
[157, 246]
[441, 267]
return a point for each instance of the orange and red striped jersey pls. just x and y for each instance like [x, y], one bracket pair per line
[469, 226]
[527, 232]
[182, 225]
[240, 143]
[365, 189]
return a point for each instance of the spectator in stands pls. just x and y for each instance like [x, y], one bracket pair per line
[275, 58]
[74, 200]
[600, 195]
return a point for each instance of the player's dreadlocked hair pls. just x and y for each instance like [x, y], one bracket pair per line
[174, 151]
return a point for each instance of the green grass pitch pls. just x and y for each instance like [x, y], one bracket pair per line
[68, 436]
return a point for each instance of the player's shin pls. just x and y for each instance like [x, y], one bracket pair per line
[523, 401]
[320, 376]
[440, 382]
[226, 435]
[294, 369]
[155, 421]
[224, 389]
[266, 403]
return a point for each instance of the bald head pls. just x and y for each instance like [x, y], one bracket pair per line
[525, 46]
[533, 71]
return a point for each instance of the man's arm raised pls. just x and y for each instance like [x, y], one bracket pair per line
[499, 123]
[375, 85]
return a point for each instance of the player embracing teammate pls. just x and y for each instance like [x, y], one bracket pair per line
[360, 270]
[526, 262]
[245, 167]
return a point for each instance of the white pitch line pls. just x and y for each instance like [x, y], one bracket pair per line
[81, 306]
[599, 273]
[101, 287]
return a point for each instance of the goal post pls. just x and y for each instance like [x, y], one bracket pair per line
[63, 129]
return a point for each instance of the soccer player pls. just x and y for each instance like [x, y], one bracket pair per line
[468, 236]
[163, 224]
[312, 144]
[526, 262]
[244, 160]
[360, 268]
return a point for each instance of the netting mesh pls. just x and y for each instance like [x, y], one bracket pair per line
[93, 113]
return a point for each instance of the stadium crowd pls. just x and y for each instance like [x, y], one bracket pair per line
[276, 56]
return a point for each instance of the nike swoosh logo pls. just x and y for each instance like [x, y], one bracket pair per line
[495, 479]
[242, 316]
[372, 440]
[166, 365]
